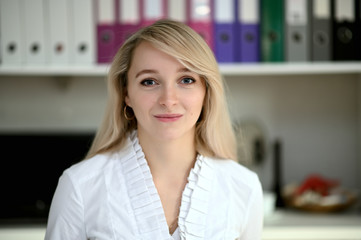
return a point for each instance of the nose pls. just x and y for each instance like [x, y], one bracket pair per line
[168, 96]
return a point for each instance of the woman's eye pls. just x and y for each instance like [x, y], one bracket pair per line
[148, 82]
[187, 80]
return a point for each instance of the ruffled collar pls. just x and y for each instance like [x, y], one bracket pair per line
[146, 203]
[195, 197]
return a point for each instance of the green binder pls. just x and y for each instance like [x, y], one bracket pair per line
[272, 30]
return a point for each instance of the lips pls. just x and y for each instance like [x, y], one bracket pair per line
[168, 117]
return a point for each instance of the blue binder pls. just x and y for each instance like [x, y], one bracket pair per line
[224, 30]
[248, 32]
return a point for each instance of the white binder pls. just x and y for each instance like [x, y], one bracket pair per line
[83, 23]
[11, 32]
[34, 30]
[59, 31]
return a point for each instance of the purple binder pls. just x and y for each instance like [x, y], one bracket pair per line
[224, 42]
[249, 50]
[224, 31]
[248, 32]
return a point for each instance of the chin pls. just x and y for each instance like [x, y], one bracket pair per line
[173, 134]
[168, 136]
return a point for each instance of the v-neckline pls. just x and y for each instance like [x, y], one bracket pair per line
[146, 202]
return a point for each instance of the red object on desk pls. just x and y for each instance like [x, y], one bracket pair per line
[318, 184]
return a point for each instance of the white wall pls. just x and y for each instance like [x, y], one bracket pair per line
[315, 117]
[56, 104]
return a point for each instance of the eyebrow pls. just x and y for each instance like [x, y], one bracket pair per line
[184, 70]
[147, 71]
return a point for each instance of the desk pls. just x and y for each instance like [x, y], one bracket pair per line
[292, 225]
[282, 225]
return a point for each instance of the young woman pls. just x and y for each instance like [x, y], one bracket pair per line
[162, 164]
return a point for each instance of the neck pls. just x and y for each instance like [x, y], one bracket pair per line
[167, 157]
[170, 162]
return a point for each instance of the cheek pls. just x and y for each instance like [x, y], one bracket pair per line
[133, 97]
[196, 104]
[141, 102]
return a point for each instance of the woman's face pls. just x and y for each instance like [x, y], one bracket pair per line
[166, 97]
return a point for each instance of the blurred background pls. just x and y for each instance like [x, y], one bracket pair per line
[292, 70]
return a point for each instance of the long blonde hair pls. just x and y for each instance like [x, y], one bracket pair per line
[214, 133]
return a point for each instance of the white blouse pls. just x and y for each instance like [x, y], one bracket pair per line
[113, 196]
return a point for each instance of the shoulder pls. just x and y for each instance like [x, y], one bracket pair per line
[226, 168]
[232, 178]
[98, 166]
[90, 167]
[237, 195]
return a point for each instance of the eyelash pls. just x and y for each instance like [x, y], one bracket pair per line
[188, 78]
[146, 82]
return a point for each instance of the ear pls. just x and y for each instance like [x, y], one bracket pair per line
[125, 93]
[127, 100]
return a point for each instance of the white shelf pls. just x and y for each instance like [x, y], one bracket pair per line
[226, 69]
[95, 70]
[291, 68]
[25, 232]
[312, 233]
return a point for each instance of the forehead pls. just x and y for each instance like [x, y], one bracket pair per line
[146, 55]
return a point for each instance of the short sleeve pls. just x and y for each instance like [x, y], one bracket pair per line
[66, 216]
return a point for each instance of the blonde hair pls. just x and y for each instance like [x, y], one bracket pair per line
[214, 133]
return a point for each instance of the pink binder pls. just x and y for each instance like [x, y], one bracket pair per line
[200, 19]
[129, 19]
[153, 10]
[106, 26]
